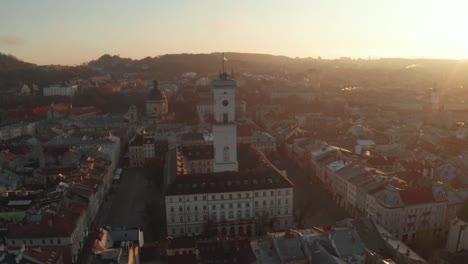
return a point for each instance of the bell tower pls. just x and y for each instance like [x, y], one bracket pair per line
[224, 127]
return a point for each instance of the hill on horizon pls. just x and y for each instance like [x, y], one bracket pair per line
[9, 62]
[170, 66]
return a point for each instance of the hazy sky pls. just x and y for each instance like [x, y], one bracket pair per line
[72, 32]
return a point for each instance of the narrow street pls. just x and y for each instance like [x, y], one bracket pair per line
[314, 203]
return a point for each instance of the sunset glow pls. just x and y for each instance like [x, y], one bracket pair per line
[75, 32]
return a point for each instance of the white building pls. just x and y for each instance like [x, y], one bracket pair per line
[58, 90]
[224, 200]
[403, 213]
[148, 148]
[17, 130]
[457, 239]
[239, 204]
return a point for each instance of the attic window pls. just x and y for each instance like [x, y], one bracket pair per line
[179, 186]
[229, 183]
[246, 182]
[194, 185]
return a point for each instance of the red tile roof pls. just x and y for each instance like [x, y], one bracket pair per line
[55, 171]
[61, 108]
[411, 196]
[85, 110]
[7, 155]
[61, 224]
[247, 130]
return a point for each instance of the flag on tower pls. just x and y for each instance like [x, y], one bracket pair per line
[224, 58]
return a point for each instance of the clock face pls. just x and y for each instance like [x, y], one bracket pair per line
[225, 102]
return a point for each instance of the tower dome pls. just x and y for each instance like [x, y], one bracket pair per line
[156, 102]
[156, 94]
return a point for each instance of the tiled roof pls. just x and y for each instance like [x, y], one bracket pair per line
[410, 196]
[228, 182]
[246, 129]
[85, 110]
[62, 108]
[49, 255]
[415, 165]
[61, 224]
[192, 136]
[226, 250]
[347, 242]
[381, 161]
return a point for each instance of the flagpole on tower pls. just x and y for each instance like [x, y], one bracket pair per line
[223, 59]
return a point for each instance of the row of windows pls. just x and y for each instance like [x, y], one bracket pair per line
[197, 229]
[201, 170]
[267, 144]
[230, 196]
[230, 205]
[230, 215]
[189, 230]
[44, 242]
[201, 163]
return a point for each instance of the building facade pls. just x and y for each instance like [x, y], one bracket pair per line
[58, 90]
[223, 200]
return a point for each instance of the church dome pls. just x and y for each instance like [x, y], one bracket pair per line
[156, 94]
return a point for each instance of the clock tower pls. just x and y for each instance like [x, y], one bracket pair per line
[224, 128]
